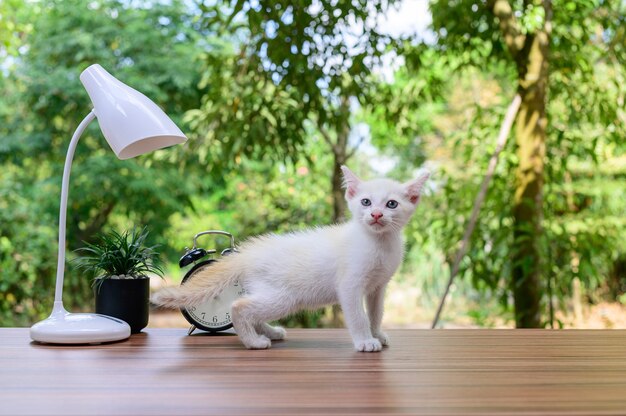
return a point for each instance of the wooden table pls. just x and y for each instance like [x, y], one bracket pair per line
[465, 372]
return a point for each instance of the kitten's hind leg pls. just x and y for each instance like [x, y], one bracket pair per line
[245, 322]
[275, 333]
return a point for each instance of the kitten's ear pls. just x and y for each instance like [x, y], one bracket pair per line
[414, 188]
[350, 182]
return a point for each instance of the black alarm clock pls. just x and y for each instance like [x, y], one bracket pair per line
[214, 315]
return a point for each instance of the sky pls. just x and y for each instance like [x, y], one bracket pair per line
[412, 16]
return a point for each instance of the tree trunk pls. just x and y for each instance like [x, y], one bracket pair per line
[340, 157]
[340, 207]
[339, 201]
[528, 200]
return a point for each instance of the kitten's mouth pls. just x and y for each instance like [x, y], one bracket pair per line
[377, 223]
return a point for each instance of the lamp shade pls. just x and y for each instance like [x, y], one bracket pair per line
[131, 123]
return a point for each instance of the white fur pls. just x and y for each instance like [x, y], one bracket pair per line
[345, 264]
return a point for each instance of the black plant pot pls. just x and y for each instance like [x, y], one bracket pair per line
[126, 299]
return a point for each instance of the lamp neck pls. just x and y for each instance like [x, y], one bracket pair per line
[58, 292]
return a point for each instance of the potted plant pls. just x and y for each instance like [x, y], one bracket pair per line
[121, 264]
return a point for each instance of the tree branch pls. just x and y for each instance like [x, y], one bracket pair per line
[352, 151]
[326, 136]
[478, 202]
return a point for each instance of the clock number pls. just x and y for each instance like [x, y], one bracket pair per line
[227, 316]
[236, 283]
[215, 318]
[203, 313]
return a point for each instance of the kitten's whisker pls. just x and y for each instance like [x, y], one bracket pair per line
[395, 225]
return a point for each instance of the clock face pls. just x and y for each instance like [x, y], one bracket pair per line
[214, 314]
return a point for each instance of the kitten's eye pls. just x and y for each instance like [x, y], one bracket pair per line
[366, 202]
[392, 204]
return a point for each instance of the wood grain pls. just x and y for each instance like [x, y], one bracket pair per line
[451, 372]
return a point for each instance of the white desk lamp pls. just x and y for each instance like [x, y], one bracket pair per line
[132, 125]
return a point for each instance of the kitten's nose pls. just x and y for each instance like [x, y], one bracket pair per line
[377, 215]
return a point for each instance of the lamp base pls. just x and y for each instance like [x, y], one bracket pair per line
[62, 327]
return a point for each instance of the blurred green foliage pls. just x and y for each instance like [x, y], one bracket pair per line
[43, 102]
[461, 83]
[269, 94]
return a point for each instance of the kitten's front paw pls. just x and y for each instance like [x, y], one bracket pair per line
[257, 343]
[275, 333]
[382, 337]
[368, 345]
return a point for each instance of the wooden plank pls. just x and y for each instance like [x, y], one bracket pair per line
[164, 371]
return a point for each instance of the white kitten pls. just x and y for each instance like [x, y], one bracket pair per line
[343, 264]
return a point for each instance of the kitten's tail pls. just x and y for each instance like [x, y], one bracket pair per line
[206, 284]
